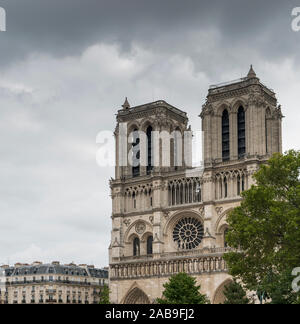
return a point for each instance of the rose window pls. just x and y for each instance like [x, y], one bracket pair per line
[188, 233]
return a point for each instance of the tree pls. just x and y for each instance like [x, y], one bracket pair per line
[265, 229]
[182, 289]
[235, 294]
[104, 296]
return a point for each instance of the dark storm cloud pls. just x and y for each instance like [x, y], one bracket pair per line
[65, 68]
[67, 27]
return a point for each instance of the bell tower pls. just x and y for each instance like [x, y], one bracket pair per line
[143, 158]
[166, 220]
[241, 120]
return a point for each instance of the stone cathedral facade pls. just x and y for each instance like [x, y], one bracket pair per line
[165, 222]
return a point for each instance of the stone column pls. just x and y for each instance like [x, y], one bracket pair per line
[208, 240]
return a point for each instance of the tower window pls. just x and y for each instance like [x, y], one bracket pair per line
[177, 149]
[149, 245]
[136, 154]
[225, 238]
[134, 200]
[243, 183]
[241, 133]
[225, 188]
[149, 150]
[268, 114]
[136, 246]
[225, 136]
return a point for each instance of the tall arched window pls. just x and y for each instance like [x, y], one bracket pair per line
[134, 200]
[243, 183]
[198, 192]
[225, 188]
[136, 246]
[225, 239]
[136, 154]
[177, 148]
[149, 150]
[225, 136]
[150, 245]
[268, 114]
[181, 194]
[173, 195]
[241, 133]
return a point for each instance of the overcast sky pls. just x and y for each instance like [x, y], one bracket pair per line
[65, 69]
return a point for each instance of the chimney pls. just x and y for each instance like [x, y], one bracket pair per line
[36, 263]
[5, 266]
[55, 263]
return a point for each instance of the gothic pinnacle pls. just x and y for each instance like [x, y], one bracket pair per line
[126, 104]
[251, 73]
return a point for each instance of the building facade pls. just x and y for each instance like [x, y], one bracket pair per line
[166, 220]
[51, 284]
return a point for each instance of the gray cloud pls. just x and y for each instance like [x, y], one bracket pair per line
[65, 69]
[66, 27]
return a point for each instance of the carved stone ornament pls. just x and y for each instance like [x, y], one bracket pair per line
[202, 211]
[166, 214]
[219, 210]
[127, 222]
[140, 227]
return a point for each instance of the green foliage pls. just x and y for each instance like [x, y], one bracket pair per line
[278, 288]
[266, 228]
[235, 294]
[182, 289]
[104, 296]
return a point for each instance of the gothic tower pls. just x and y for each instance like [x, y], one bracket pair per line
[165, 221]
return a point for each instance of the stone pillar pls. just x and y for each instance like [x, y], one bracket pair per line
[209, 241]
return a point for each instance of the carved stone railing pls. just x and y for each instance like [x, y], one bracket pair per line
[164, 267]
[177, 254]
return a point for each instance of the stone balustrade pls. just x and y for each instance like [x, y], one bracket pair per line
[164, 267]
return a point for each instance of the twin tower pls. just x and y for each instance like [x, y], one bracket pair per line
[166, 220]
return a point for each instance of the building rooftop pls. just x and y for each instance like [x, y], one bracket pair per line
[249, 80]
[127, 109]
[38, 268]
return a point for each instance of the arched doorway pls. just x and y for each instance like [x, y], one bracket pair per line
[136, 296]
[219, 297]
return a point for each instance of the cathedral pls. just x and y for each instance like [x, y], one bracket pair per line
[166, 220]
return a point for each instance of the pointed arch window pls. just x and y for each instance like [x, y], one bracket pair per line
[177, 148]
[150, 245]
[225, 237]
[149, 150]
[225, 188]
[136, 154]
[136, 246]
[243, 183]
[225, 136]
[268, 114]
[241, 133]
[173, 195]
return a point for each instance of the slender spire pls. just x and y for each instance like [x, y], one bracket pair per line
[251, 73]
[126, 104]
